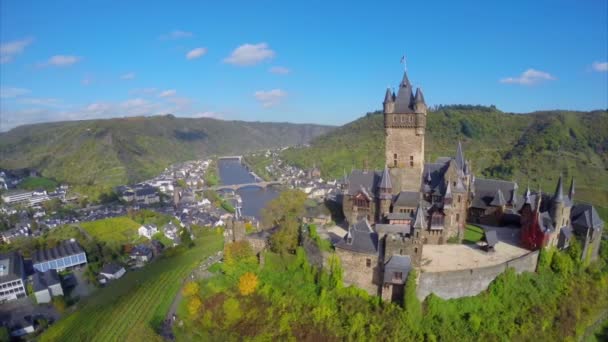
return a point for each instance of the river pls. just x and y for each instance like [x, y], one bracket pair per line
[231, 171]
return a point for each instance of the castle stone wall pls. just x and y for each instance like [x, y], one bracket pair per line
[358, 274]
[470, 282]
[405, 143]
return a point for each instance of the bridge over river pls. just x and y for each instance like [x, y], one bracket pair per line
[235, 187]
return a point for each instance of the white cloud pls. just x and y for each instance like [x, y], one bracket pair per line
[270, 98]
[87, 81]
[176, 34]
[61, 61]
[128, 76]
[600, 66]
[143, 91]
[9, 50]
[12, 92]
[250, 54]
[207, 114]
[196, 53]
[529, 77]
[167, 93]
[279, 70]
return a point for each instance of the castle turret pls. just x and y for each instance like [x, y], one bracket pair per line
[557, 205]
[571, 192]
[389, 101]
[419, 104]
[385, 193]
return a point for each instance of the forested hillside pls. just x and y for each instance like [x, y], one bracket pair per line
[532, 149]
[99, 154]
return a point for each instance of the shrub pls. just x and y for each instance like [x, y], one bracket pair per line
[248, 283]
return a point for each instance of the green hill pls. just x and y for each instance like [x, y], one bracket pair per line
[99, 154]
[529, 148]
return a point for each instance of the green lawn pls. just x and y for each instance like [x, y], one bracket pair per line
[114, 229]
[133, 305]
[472, 234]
[34, 183]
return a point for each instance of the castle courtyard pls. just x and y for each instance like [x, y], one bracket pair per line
[451, 257]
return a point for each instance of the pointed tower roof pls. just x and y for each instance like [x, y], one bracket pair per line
[448, 191]
[419, 96]
[559, 191]
[460, 157]
[420, 220]
[499, 199]
[385, 182]
[527, 196]
[388, 97]
[405, 97]
[571, 192]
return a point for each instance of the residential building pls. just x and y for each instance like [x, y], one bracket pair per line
[111, 271]
[66, 254]
[47, 284]
[140, 255]
[147, 231]
[12, 277]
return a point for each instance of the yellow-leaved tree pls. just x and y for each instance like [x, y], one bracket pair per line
[194, 305]
[248, 283]
[190, 289]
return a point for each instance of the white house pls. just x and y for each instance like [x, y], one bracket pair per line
[111, 271]
[147, 231]
[47, 285]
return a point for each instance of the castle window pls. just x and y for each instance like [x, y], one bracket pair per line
[395, 159]
[417, 234]
[397, 275]
[401, 251]
[415, 250]
[458, 198]
[412, 161]
[394, 118]
[457, 217]
[368, 262]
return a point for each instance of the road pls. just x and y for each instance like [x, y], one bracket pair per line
[199, 273]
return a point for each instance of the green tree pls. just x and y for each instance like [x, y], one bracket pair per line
[288, 206]
[186, 238]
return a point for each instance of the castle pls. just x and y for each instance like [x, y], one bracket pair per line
[393, 213]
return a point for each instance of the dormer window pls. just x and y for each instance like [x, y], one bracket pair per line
[349, 240]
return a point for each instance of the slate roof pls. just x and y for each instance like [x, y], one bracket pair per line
[385, 182]
[420, 220]
[435, 171]
[360, 238]
[12, 264]
[63, 249]
[388, 97]
[407, 199]
[499, 199]
[111, 268]
[42, 280]
[419, 96]
[584, 217]
[145, 191]
[397, 263]
[460, 161]
[382, 229]
[559, 191]
[545, 222]
[491, 238]
[405, 96]
[364, 180]
[487, 189]
[398, 216]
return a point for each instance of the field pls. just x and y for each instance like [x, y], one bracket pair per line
[115, 229]
[35, 183]
[130, 308]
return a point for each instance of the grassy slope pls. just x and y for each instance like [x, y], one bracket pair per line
[136, 301]
[110, 152]
[531, 149]
[112, 230]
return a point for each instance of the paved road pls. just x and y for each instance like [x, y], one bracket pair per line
[199, 273]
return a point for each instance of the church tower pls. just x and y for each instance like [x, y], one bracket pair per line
[404, 127]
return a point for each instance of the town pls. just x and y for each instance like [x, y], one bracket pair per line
[41, 274]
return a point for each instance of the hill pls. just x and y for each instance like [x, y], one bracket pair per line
[104, 153]
[530, 148]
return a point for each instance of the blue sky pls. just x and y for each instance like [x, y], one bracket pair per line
[305, 61]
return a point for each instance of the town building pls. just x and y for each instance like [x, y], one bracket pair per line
[111, 271]
[46, 285]
[12, 277]
[67, 254]
[147, 231]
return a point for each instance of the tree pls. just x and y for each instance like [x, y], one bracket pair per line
[190, 289]
[194, 305]
[4, 334]
[288, 206]
[59, 304]
[285, 240]
[186, 238]
[238, 252]
[248, 283]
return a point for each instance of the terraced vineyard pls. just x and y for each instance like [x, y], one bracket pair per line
[137, 302]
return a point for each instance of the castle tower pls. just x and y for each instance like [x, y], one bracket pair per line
[557, 206]
[404, 127]
[385, 194]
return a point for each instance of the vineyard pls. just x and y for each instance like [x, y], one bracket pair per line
[114, 229]
[137, 302]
